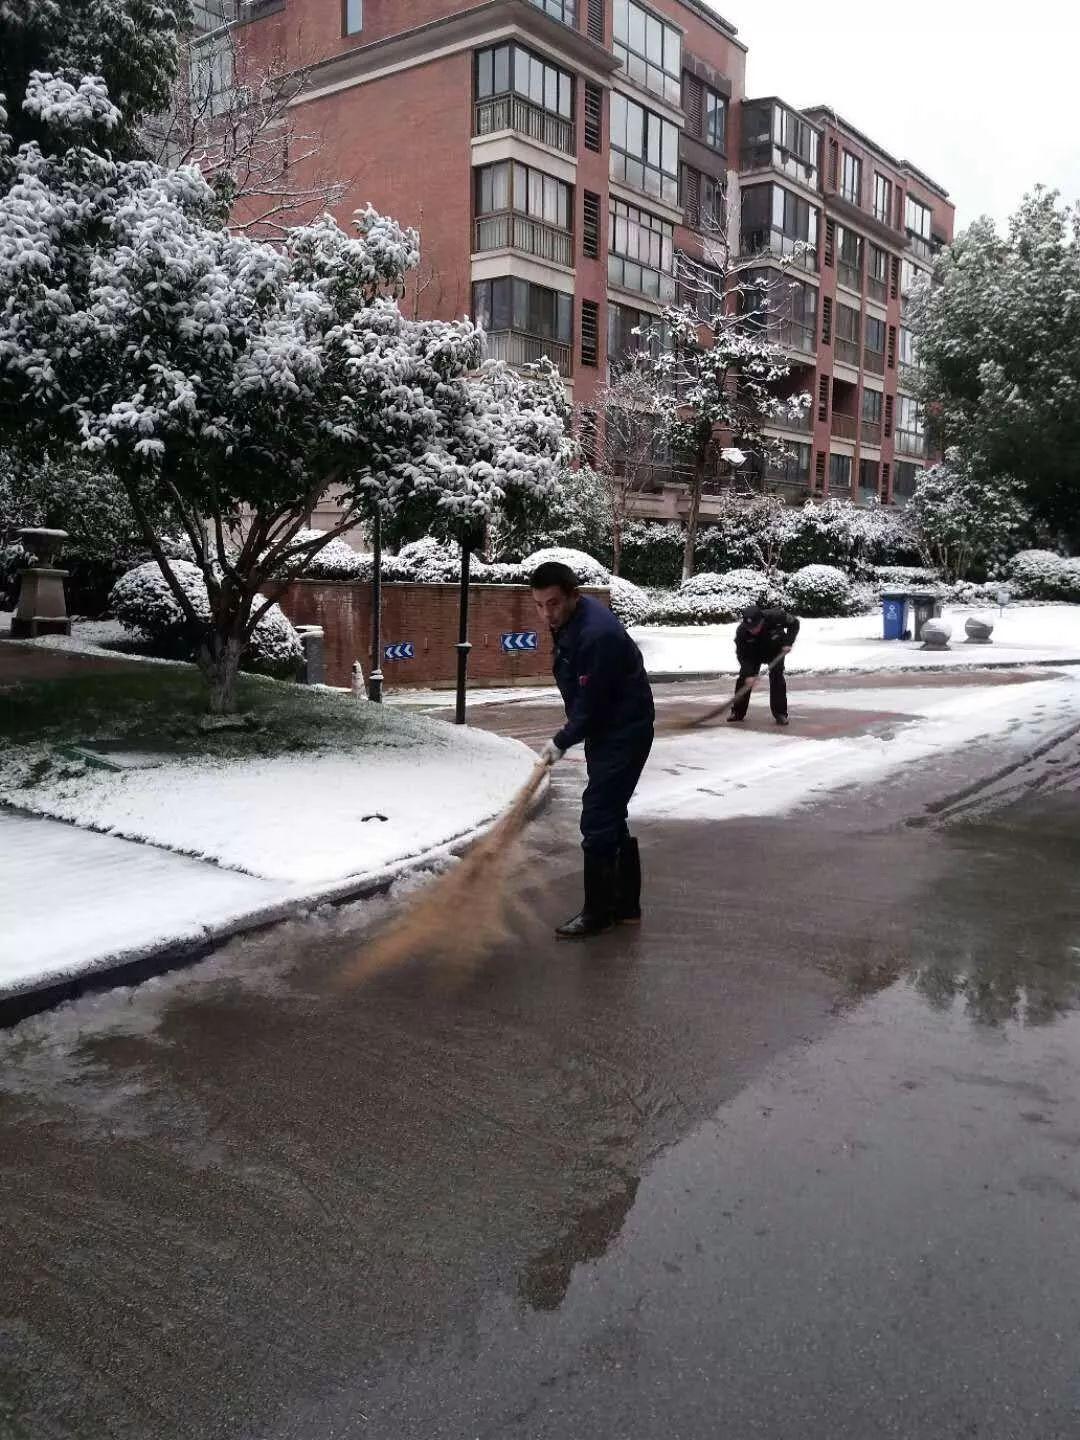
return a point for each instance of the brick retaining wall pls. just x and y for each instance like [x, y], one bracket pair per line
[426, 616]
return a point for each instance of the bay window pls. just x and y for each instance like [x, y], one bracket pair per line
[644, 150]
[649, 50]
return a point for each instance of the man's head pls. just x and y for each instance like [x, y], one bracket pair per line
[754, 619]
[555, 592]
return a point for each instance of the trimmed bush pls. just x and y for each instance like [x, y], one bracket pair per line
[143, 603]
[652, 552]
[629, 602]
[587, 570]
[1044, 575]
[820, 591]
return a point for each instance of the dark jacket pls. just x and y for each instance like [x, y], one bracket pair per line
[780, 630]
[601, 677]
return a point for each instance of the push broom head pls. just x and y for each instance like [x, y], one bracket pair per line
[465, 912]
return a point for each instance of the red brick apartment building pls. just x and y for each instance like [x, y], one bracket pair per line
[558, 155]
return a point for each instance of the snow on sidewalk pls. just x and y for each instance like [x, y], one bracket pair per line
[1026, 635]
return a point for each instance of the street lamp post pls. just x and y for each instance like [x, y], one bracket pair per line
[375, 683]
[463, 646]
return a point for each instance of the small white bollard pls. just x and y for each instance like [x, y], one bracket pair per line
[359, 686]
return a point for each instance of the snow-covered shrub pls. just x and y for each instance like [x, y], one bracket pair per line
[430, 561]
[652, 552]
[143, 603]
[337, 560]
[865, 597]
[674, 607]
[820, 591]
[1044, 575]
[499, 572]
[587, 570]
[629, 601]
[737, 590]
[910, 577]
[967, 592]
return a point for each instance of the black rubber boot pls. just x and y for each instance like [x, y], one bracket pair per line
[598, 912]
[628, 891]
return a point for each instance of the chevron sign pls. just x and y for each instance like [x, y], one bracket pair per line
[400, 652]
[520, 640]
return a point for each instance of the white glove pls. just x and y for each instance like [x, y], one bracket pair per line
[551, 753]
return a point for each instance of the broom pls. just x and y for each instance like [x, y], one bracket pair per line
[465, 911]
[718, 710]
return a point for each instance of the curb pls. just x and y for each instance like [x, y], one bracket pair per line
[673, 677]
[145, 962]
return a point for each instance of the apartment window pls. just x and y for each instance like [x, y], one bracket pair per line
[875, 334]
[878, 283]
[786, 307]
[590, 226]
[212, 75]
[354, 16]
[908, 415]
[906, 478]
[852, 181]
[594, 116]
[847, 334]
[868, 476]
[699, 288]
[714, 118]
[212, 14]
[882, 198]
[510, 185]
[839, 472]
[507, 304]
[907, 348]
[590, 342]
[564, 10]
[644, 150]
[909, 274]
[631, 330]
[649, 50]
[871, 406]
[640, 251]
[505, 68]
[703, 201]
[917, 217]
[850, 249]
[776, 219]
[793, 468]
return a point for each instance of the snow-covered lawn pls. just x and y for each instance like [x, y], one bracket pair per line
[1022, 635]
[321, 791]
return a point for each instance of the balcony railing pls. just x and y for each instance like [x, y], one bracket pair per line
[847, 351]
[517, 349]
[870, 430]
[849, 275]
[910, 442]
[793, 336]
[775, 242]
[508, 230]
[845, 427]
[802, 426]
[877, 290]
[767, 156]
[874, 361]
[511, 112]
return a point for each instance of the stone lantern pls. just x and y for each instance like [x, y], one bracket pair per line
[41, 607]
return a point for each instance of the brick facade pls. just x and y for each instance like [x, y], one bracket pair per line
[426, 616]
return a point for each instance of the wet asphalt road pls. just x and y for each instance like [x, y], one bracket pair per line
[800, 1158]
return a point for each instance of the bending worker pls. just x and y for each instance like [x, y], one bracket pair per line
[765, 637]
[609, 705]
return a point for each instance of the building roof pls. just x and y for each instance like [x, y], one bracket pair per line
[714, 18]
[873, 145]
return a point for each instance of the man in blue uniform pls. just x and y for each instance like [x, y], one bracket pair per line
[609, 706]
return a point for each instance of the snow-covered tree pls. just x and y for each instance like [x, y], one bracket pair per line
[131, 47]
[716, 381]
[965, 515]
[238, 383]
[997, 332]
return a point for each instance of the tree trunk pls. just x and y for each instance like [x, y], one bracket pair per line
[616, 547]
[219, 661]
[696, 486]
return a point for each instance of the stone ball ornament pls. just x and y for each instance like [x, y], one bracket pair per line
[936, 635]
[979, 630]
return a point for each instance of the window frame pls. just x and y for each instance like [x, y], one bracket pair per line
[559, 9]
[350, 26]
[619, 133]
[518, 319]
[640, 229]
[669, 87]
[518, 170]
[911, 205]
[511, 49]
[883, 186]
[708, 117]
[846, 463]
[857, 169]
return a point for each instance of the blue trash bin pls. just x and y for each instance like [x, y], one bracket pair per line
[892, 615]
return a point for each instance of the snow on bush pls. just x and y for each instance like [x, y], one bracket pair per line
[629, 601]
[820, 591]
[908, 576]
[587, 570]
[1044, 575]
[143, 603]
[712, 599]
[337, 560]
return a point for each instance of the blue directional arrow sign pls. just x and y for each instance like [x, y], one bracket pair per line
[516, 640]
[404, 651]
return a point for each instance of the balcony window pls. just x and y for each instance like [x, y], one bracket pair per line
[354, 16]
[564, 10]
[525, 322]
[644, 150]
[872, 402]
[847, 334]
[869, 479]
[623, 343]
[850, 248]
[714, 118]
[874, 343]
[703, 201]
[212, 14]
[883, 199]
[640, 251]
[775, 221]
[517, 90]
[878, 281]
[649, 50]
[699, 288]
[910, 431]
[918, 219]
[521, 208]
[784, 307]
[775, 136]
[905, 477]
[839, 472]
[851, 186]
[793, 468]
